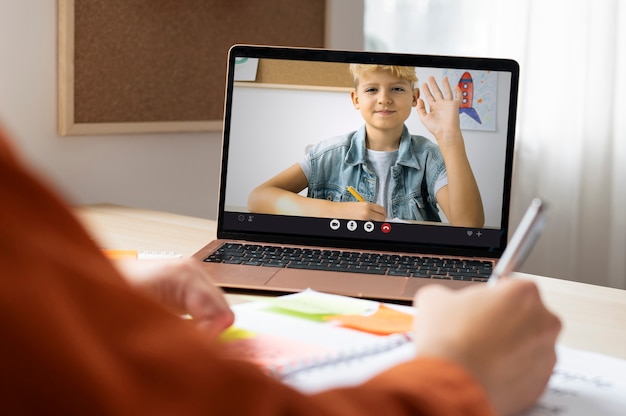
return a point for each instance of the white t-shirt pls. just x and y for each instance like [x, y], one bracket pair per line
[380, 162]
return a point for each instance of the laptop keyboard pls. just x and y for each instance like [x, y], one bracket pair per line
[419, 266]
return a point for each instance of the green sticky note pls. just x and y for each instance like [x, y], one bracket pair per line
[311, 302]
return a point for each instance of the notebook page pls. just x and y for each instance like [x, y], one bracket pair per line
[584, 383]
[311, 353]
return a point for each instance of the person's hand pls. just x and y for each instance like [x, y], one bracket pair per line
[503, 335]
[183, 286]
[443, 118]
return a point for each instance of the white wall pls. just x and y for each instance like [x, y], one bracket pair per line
[169, 172]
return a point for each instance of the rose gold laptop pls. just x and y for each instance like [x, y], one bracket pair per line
[279, 102]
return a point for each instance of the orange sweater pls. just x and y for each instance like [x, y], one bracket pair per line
[77, 339]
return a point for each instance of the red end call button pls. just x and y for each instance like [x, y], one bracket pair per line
[385, 227]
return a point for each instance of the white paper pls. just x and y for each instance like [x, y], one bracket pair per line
[584, 384]
[245, 69]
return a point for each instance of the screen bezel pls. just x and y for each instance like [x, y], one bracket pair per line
[333, 239]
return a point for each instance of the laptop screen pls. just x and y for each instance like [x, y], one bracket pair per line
[291, 120]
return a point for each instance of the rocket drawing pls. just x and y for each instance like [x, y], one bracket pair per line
[467, 90]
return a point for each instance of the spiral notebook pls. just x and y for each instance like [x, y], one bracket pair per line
[314, 341]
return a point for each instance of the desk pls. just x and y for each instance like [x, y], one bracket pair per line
[594, 317]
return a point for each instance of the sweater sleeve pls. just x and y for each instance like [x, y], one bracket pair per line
[77, 339]
[424, 386]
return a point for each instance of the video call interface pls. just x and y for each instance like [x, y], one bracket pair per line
[276, 109]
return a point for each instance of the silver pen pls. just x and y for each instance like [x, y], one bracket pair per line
[522, 241]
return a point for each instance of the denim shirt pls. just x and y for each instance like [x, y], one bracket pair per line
[342, 161]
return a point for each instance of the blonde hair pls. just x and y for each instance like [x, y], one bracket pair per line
[402, 72]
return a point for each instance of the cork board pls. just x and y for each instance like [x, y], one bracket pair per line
[304, 73]
[135, 66]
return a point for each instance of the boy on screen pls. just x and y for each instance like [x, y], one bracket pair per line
[381, 171]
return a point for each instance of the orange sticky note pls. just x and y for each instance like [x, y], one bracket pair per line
[384, 322]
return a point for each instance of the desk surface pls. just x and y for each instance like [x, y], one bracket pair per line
[594, 317]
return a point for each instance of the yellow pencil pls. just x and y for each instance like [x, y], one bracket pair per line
[355, 194]
[120, 254]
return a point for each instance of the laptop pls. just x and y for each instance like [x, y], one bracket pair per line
[281, 101]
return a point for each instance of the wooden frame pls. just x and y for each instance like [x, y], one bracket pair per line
[67, 125]
[260, 27]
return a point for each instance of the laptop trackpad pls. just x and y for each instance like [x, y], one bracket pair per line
[349, 284]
